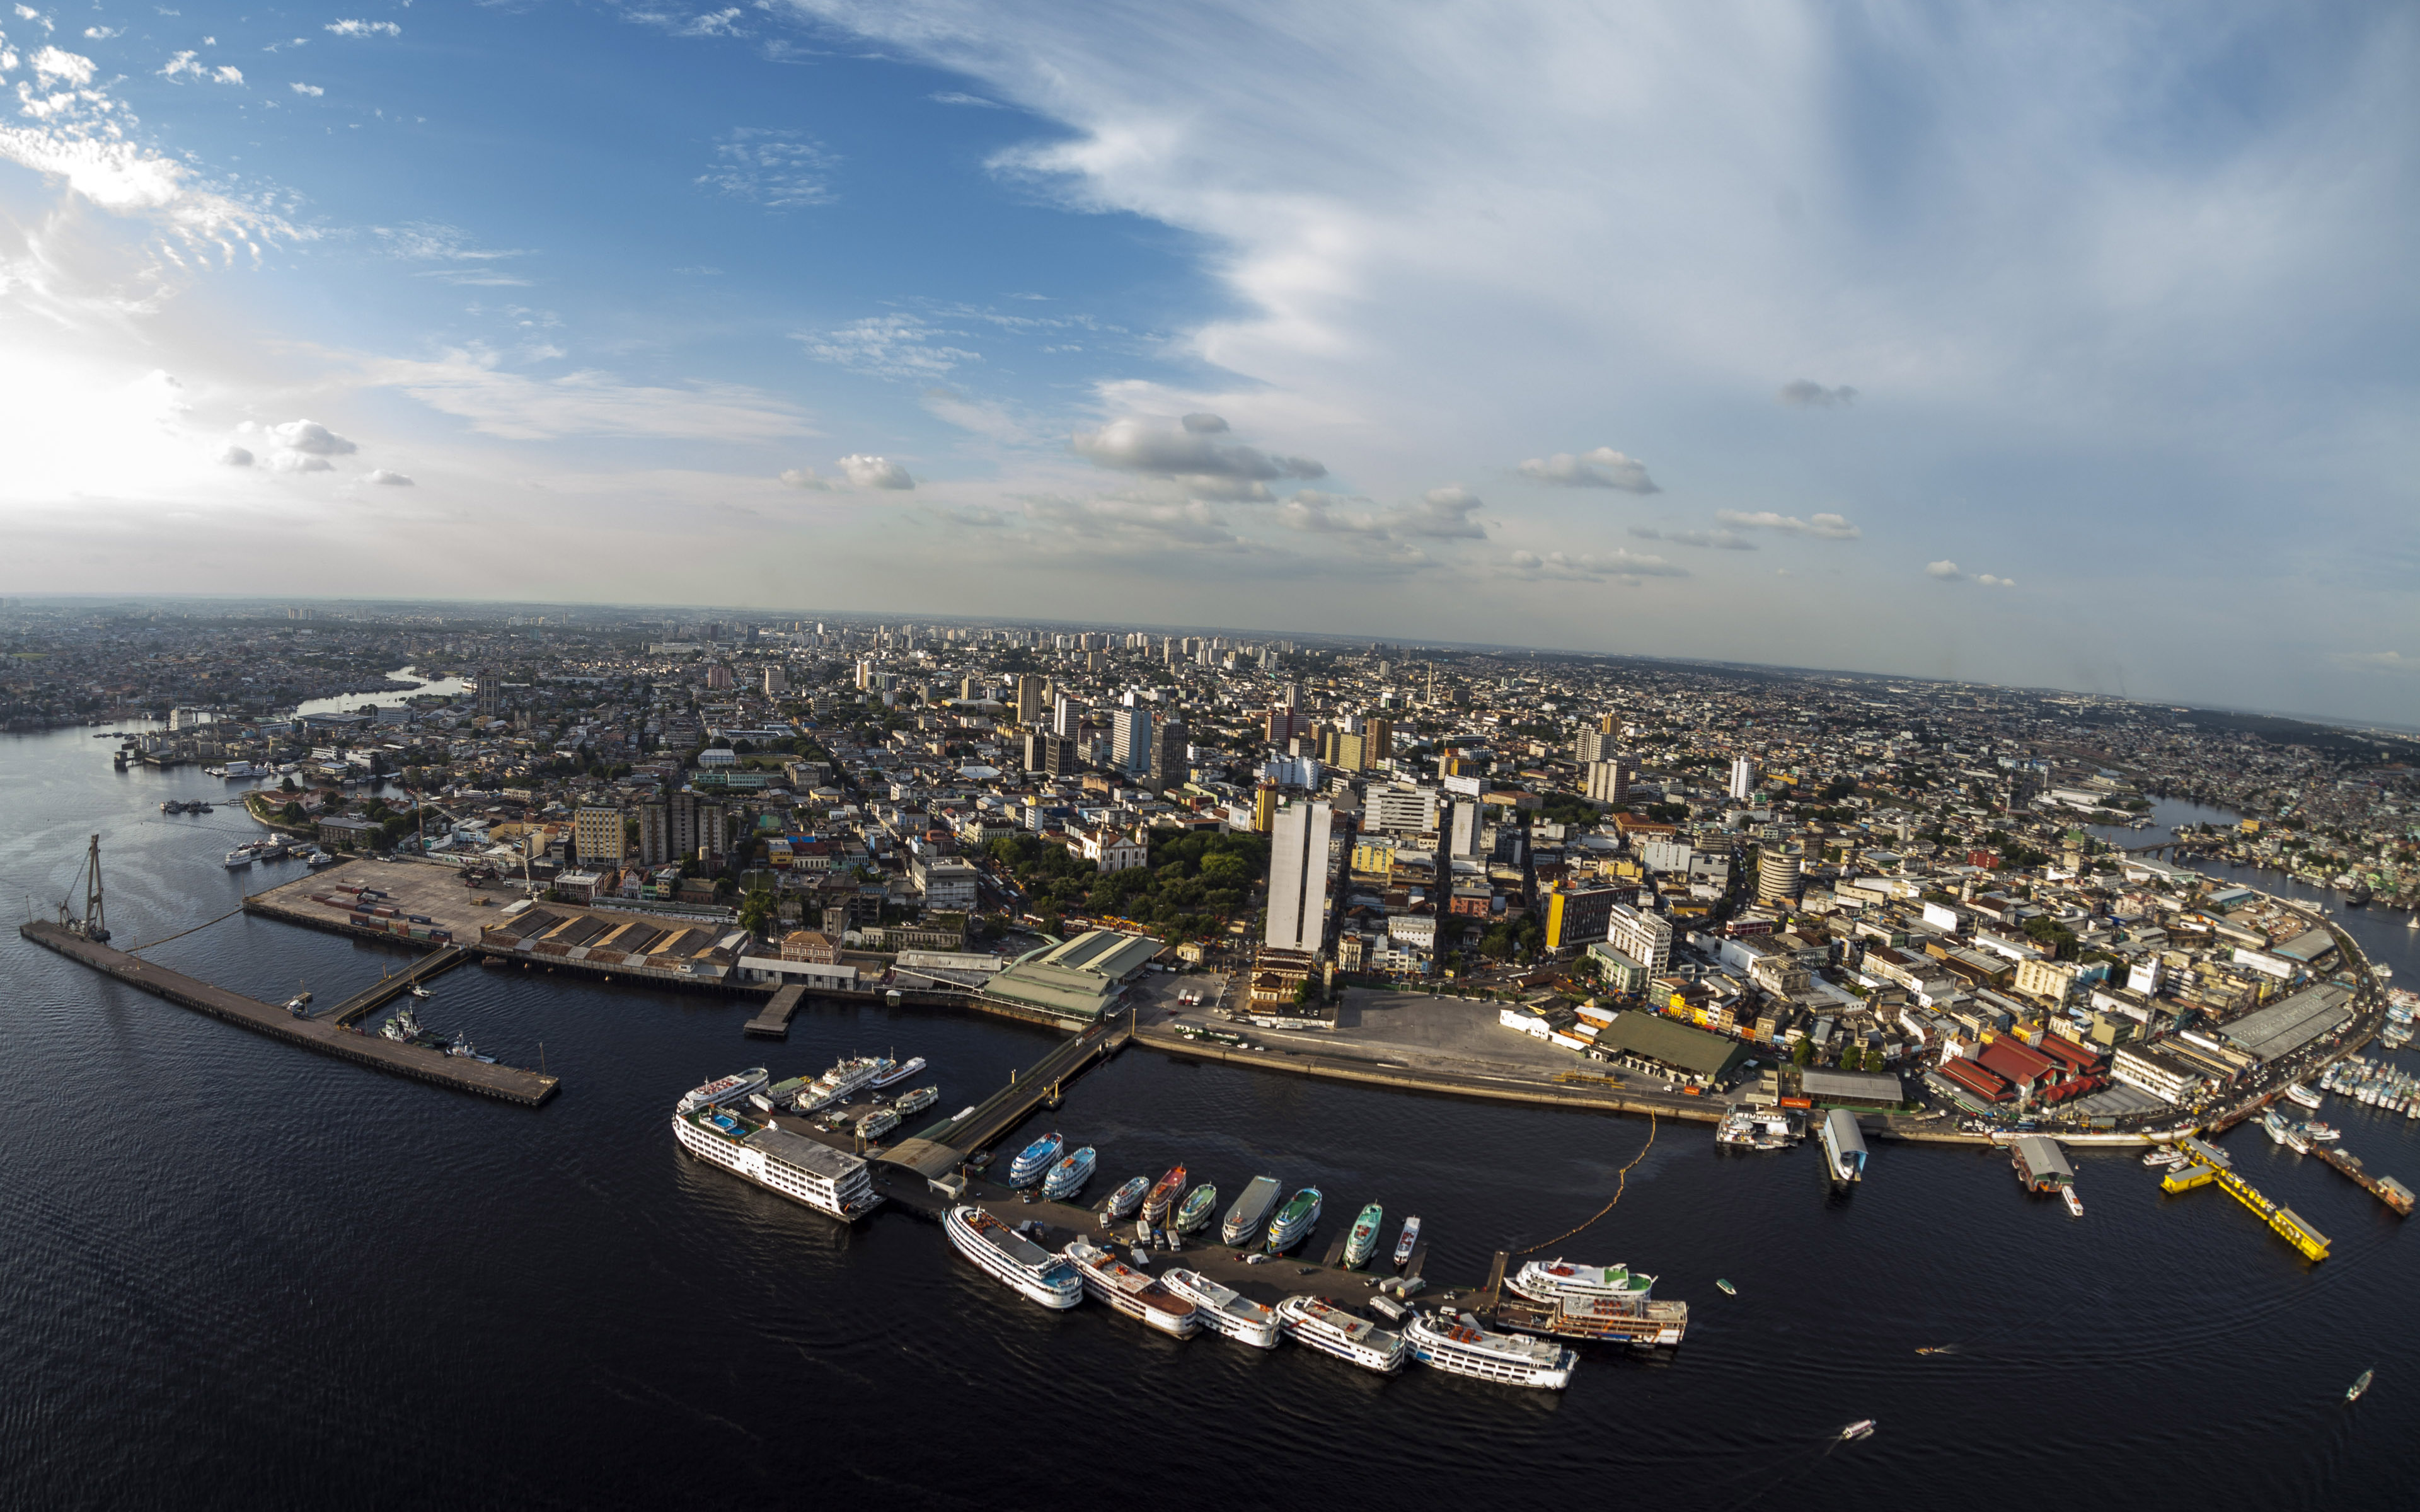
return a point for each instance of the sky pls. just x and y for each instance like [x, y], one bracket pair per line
[2059, 345]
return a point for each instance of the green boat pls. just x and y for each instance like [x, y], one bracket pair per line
[1293, 1220]
[1364, 1238]
[1196, 1209]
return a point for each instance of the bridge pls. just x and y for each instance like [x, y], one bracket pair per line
[941, 1149]
[387, 989]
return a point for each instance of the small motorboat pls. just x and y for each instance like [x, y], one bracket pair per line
[1936, 1349]
[418, 991]
[2352, 1393]
[1725, 1287]
[1862, 1429]
[2074, 1203]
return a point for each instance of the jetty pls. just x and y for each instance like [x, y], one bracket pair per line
[387, 989]
[511, 1085]
[773, 1021]
[942, 1148]
[2206, 1163]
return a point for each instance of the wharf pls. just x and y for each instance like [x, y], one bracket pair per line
[942, 1148]
[2385, 1189]
[773, 1023]
[2287, 1223]
[527, 1087]
[387, 989]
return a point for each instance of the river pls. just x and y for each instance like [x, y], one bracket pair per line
[239, 1275]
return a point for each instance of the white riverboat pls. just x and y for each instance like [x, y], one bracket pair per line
[1136, 1293]
[1223, 1309]
[847, 1078]
[1323, 1324]
[724, 1090]
[1013, 1260]
[1552, 1281]
[832, 1181]
[1458, 1345]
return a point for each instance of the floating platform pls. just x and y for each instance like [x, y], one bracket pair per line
[461, 1072]
[2287, 1223]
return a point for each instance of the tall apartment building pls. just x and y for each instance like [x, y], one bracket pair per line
[1777, 878]
[1608, 777]
[1593, 745]
[777, 682]
[1284, 723]
[1169, 765]
[1743, 778]
[1645, 937]
[597, 833]
[1130, 739]
[1029, 698]
[1463, 827]
[655, 835]
[1298, 877]
[1052, 754]
[1066, 718]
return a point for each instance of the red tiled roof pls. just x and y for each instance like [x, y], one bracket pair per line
[1976, 1080]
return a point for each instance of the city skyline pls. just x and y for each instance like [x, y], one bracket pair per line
[2060, 350]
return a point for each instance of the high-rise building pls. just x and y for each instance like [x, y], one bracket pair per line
[1130, 739]
[597, 834]
[1462, 830]
[1265, 808]
[1298, 877]
[1645, 937]
[492, 692]
[1377, 740]
[777, 682]
[1608, 779]
[1285, 722]
[1743, 778]
[1777, 878]
[1169, 767]
[1029, 698]
[655, 838]
[1066, 718]
[1592, 746]
[1577, 916]
[680, 826]
[1402, 806]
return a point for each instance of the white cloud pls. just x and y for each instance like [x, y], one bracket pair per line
[1134, 526]
[959, 97]
[1823, 527]
[236, 456]
[71, 67]
[309, 435]
[363, 28]
[723, 23]
[1718, 540]
[984, 417]
[1192, 453]
[227, 73]
[516, 406]
[874, 472]
[102, 34]
[436, 241]
[300, 462]
[182, 63]
[1803, 394]
[1602, 467]
[1990, 581]
[890, 345]
[806, 478]
[777, 169]
[1946, 571]
[1619, 566]
[313, 90]
[388, 477]
[1439, 515]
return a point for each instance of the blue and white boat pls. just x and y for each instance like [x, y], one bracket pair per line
[1293, 1220]
[1036, 1160]
[1068, 1177]
[1126, 1199]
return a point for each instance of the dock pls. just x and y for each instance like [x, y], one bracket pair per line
[2287, 1223]
[773, 1022]
[942, 1148]
[511, 1085]
[387, 989]
[2385, 1189]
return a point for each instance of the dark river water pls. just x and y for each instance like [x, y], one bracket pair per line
[239, 1275]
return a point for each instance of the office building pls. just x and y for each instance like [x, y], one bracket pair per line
[1130, 739]
[1402, 806]
[597, 834]
[1298, 877]
[1577, 916]
[1463, 827]
[1170, 764]
[1066, 718]
[777, 682]
[1029, 698]
[1777, 878]
[1645, 937]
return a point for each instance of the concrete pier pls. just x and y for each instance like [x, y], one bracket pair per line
[774, 1022]
[527, 1087]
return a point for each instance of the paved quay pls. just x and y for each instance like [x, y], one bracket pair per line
[510, 1084]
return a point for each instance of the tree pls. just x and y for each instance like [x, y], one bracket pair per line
[1853, 1058]
[1803, 1053]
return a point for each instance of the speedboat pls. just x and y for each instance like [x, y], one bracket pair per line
[1293, 1220]
[1363, 1239]
[1404, 1246]
[1862, 1429]
[1163, 1195]
[1195, 1211]
[418, 991]
[1126, 1199]
[2352, 1393]
[1036, 1160]
[1725, 1287]
[1069, 1175]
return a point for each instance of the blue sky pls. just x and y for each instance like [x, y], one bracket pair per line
[2061, 343]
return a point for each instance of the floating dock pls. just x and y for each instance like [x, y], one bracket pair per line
[461, 1072]
[387, 989]
[773, 1023]
[942, 1148]
[2385, 1189]
[2200, 1171]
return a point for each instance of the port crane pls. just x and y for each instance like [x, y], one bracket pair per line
[94, 925]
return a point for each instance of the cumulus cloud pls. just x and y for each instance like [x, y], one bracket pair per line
[300, 462]
[390, 478]
[1618, 565]
[1192, 453]
[1802, 394]
[1442, 513]
[874, 472]
[1602, 467]
[777, 169]
[67, 67]
[310, 438]
[311, 89]
[806, 478]
[226, 73]
[363, 28]
[1948, 572]
[1439, 515]
[1823, 527]
[236, 456]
